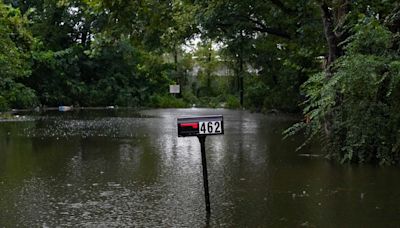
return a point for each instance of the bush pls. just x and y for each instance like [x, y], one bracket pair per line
[167, 101]
[3, 104]
[259, 96]
[189, 97]
[357, 110]
[256, 93]
[232, 102]
[16, 95]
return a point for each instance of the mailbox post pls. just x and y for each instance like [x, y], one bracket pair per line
[202, 126]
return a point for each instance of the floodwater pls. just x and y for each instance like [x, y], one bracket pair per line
[120, 168]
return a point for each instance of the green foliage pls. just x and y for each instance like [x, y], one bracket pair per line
[212, 85]
[232, 102]
[357, 109]
[189, 96]
[256, 93]
[278, 39]
[19, 96]
[263, 95]
[3, 104]
[109, 72]
[167, 101]
[96, 53]
[15, 45]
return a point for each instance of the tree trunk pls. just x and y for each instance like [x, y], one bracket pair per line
[241, 87]
[241, 71]
[209, 68]
[333, 20]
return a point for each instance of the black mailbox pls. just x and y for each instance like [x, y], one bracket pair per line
[200, 125]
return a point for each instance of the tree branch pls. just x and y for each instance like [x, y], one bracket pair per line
[261, 27]
[392, 21]
[329, 27]
[282, 6]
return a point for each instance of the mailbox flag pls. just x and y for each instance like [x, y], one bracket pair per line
[192, 125]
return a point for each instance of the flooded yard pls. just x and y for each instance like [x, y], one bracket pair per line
[113, 168]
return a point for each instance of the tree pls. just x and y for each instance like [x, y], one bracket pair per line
[15, 45]
[84, 48]
[352, 104]
[281, 40]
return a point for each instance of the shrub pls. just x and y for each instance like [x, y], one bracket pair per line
[16, 95]
[3, 104]
[357, 110]
[232, 102]
[167, 101]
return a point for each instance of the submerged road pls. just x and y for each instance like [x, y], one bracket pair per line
[116, 168]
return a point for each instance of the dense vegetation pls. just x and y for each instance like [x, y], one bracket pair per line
[337, 60]
[353, 106]
[127, 53]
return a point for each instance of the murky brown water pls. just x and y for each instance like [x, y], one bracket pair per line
[118, 168]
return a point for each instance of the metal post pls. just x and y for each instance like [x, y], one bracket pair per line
[202, 140]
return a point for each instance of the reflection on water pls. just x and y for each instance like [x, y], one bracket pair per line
[120, 168]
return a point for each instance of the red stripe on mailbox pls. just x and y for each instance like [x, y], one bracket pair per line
[193, 125]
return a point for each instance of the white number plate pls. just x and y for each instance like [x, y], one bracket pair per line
[210, 127]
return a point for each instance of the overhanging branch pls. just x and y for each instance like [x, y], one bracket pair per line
[261, 27]
[282, 6]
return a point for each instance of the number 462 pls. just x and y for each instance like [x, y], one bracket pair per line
[211, 127]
